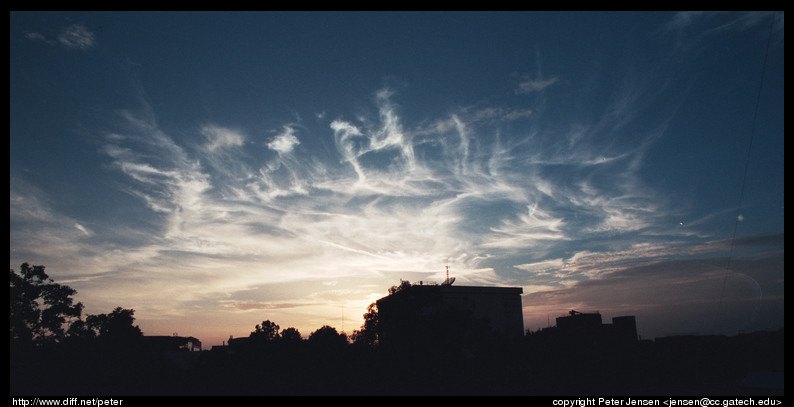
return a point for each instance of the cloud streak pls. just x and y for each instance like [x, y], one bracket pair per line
[535, 85]
[75, 36]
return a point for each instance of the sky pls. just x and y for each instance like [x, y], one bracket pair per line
[212, 170]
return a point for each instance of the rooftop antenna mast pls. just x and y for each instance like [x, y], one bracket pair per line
[448, 281]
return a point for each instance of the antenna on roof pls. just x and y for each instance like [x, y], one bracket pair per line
[448, 281]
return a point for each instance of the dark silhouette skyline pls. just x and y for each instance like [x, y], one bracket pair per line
[430, 345]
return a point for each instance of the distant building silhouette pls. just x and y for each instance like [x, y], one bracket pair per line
[579, 327]
[443, 311]
[624, 329]
[232, 345]
[172, 343]
[580, 323]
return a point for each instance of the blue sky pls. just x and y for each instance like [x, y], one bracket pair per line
[213, 170]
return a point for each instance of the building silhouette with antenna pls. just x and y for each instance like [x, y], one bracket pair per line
[430, 314]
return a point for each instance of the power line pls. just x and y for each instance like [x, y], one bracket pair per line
[746, 166]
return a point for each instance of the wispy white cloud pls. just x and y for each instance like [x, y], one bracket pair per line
[75, 36]
[82, 229]
[42, 235]
[35, 36]
[219, 137]
[299, 218]
[390, 198]
[683, 20]
[527, 231]
[285, 141]
[691, 29]
[544, 267]
[717, 21]
[535, 85]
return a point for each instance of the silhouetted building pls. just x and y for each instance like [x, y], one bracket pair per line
[441, 312]
[237, 342]
[580, 323]
[588, 327]
[624, 329]
[172, 343]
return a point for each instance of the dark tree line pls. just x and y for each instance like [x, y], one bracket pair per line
[44, 313]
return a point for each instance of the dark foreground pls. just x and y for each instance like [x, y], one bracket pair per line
[742, 365]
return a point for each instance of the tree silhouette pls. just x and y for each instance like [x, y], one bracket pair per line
[291, 335]
[404, 284]
[368, 334]
[268, 331]
[40, 308]
[116, 326]
[327, 336]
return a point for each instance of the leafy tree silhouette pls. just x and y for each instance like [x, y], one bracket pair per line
[327, 336]
[291, 335]
[404, 284]
[368, 334]
[54, 351]
[116, 327]
[268, 331]
[40, 308]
